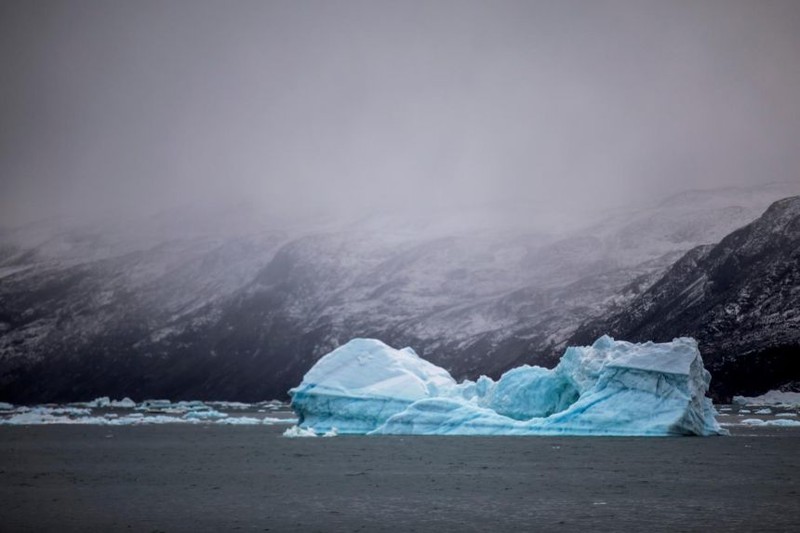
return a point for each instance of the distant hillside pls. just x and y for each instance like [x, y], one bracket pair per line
[240, 309]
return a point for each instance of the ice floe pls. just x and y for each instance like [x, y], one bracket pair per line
[205, 414]
[296, 432]
[773, 397]
[104, 411]
[782, 422]
[609, 388]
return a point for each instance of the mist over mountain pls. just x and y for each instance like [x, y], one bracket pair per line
[119, 110]
[242, 306]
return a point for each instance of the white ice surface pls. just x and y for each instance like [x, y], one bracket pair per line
[296, 431]
[151, 412]
[359, 385]
[773, 397]
[782, 422]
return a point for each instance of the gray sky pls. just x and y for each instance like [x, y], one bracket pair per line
[332, 106]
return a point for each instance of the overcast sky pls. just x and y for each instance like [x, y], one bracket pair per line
[306, 107]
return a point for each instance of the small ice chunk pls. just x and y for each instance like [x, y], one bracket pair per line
[296, 431]
[781, 422]
[191, 405]
[773, 397]
[156, 419]
[102, 401]
[209, 414]
[125, 403]
[154, 405]
[270, 420]
[239, 421]
[229, 405]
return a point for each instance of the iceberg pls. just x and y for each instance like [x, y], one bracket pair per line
[609, 388]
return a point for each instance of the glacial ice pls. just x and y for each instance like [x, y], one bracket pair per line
[782, 422]
[358, 386]
[295, 432]
[125, 403]
[105, 401]
[42, 416]
[204, 414]
[609, 388]
[149, 412]
[239, 421]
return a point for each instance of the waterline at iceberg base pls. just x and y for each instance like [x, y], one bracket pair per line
[609, 388]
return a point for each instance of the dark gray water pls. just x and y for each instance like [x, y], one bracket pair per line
[211, 478]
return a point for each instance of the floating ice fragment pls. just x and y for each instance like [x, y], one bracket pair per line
[777, 422]
[773, 397]
[269, 420]
[239, 421]
[229, 405]
[154, 405]
[209, 414]
[125, 403]
[103, 401]
[296, 431]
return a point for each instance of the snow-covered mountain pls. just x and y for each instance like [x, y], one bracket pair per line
[241, 310]
[740, 298]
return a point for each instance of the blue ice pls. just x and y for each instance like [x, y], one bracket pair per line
[609, 388]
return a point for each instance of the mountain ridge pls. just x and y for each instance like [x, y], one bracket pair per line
[245, 315]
